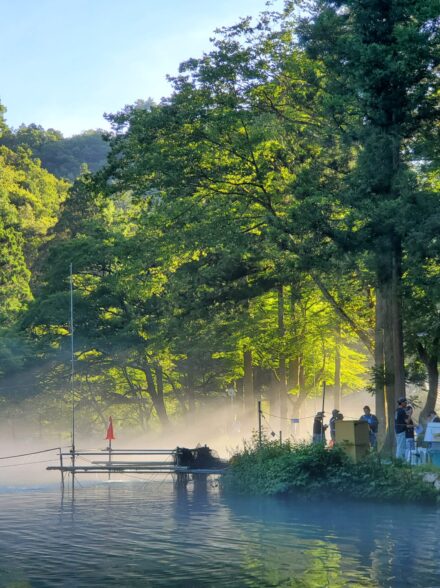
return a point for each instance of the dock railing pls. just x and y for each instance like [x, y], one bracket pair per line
[106, 460]
[134, 461]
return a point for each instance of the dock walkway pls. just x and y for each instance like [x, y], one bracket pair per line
[137, 461]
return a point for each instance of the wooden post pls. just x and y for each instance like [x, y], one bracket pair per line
[181, 479]
[200, 483]
[259, 424]
[61, 467]
[72, 454]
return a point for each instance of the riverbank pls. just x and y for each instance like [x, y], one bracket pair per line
[314, 471]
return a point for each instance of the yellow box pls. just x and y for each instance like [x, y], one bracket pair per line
[353, 432]
[356, 452]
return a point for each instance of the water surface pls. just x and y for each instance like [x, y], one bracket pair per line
[142, 534]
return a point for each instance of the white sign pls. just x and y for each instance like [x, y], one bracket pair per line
[433, 432]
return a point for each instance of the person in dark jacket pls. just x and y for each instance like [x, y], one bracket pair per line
[319, 428]
[332, 424]
[400, 427]
[409, 433]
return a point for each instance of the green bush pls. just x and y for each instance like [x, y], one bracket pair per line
[313, 470]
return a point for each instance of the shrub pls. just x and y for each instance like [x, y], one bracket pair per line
[313, 470]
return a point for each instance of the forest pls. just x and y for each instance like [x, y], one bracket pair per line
[271, 225]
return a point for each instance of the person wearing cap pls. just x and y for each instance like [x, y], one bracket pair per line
[332, 424]
[319, 428]
[400, 426]
[373, 424]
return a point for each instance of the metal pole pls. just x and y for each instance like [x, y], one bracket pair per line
[61, 467]
[281, 437]
[259, 424]
[109, 457]
[72, 372]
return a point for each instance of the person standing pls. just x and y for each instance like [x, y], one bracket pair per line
[409, 433]
[433, 445]
[400, 427]
[332, 425]
[373, 423]
[319, 428]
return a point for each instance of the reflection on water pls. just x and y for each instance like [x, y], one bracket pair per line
[151, 534]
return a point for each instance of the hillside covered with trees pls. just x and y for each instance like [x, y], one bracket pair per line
[64, 157]
[271, 225]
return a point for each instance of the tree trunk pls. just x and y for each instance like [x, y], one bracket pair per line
[298, 400]
[293, 374]
[189, 385]
[159, 400]
[293, 380]
[431, 364]
[282, 362]
[431, 400]
[156, 393]
[379, 367]
[248, 382]
[293, 366]
[390, 285]
[397, 321]
[159, 406]
[337, 383]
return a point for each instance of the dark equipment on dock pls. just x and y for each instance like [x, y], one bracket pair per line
[202, 457]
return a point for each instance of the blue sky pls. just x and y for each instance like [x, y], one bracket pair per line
[66, 62]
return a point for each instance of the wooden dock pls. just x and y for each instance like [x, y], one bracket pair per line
[136, 461]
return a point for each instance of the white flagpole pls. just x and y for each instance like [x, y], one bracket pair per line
[72, 372]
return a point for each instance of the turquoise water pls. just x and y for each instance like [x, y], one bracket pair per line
[142, 534]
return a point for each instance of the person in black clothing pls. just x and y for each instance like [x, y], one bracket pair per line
[319, 428]
[400, 428]
[332, 423]
[409, 433]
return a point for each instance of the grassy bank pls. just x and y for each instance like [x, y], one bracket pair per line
[312, 470]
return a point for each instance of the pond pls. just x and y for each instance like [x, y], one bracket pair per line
[150, 533]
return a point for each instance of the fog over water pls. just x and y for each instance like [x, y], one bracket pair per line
[222, 428]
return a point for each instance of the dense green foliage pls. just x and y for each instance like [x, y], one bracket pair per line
[63, 157]
[30, 200]
[313, 471]
[269, 226]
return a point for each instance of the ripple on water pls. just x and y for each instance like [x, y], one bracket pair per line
[151, 534]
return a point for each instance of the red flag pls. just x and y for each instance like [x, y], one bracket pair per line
[110, 435]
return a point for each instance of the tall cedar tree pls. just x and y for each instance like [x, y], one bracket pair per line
[384, 54]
